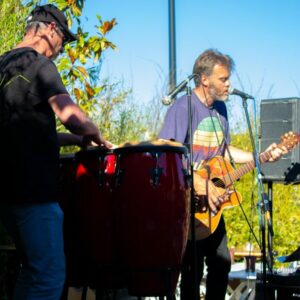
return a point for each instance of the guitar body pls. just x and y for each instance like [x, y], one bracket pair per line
[214, 170]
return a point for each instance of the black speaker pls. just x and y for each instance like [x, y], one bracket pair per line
[279, 116]
[278, 286]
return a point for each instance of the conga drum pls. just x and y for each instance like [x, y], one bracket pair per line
[152, 216]
[76, 265]
[66, 179]
[94, 180]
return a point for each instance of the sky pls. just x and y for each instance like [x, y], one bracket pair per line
[262, 36]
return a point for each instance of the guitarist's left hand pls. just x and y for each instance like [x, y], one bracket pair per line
[276, 152]
[288, 141]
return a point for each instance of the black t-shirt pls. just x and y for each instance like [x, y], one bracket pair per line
[29, 152]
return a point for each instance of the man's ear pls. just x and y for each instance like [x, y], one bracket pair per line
[52, 29]
[204, 81]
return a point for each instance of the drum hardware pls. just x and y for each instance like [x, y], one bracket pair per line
[119, 172]
[155, 174]
[187, 177]
[106, 168]
[101, 172]
[185, 170]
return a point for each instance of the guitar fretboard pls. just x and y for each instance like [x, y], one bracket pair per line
[233, 176]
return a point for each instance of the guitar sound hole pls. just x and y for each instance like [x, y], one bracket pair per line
[218, 183]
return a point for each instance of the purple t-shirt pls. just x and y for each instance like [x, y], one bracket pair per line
[209, 127]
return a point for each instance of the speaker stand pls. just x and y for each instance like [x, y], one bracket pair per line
[270, 227]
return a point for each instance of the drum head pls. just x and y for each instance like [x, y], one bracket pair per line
[151, 146]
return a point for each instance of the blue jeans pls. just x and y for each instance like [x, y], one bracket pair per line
[37, 230]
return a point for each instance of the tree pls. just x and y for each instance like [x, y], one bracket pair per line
[109, 104]
[12, 21]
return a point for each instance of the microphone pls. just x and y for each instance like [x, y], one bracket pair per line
[240, 93]
[167, 100]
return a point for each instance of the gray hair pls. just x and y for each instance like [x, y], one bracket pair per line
[206, 61]
[35, 27]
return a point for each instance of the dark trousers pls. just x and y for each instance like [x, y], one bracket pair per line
[214, 252]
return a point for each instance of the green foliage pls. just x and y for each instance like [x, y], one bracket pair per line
[108, 104]
[121, 118]
[80, 65]
[12, 22]
[234, 217]
[286, 211]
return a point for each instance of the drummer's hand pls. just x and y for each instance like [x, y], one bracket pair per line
[206, 194]
[98, 140]
[108, 145]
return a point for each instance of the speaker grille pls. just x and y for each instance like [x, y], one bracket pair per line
[278, 116]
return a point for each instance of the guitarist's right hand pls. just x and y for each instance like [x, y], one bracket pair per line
[206, 194]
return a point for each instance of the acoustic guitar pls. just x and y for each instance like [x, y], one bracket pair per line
[220, 172]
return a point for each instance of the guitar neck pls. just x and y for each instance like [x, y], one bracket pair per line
[288, 141]
[233, 176]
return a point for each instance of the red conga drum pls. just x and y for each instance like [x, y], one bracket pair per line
[153, 212]
[76, 258]
[94, 180]
[66, 179]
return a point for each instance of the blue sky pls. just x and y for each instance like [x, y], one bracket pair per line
[261, 36]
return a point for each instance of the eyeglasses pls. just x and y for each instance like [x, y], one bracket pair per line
[64, 39]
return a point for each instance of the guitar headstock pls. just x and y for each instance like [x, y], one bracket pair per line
[289, 140]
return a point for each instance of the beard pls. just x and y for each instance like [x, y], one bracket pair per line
[217, 95]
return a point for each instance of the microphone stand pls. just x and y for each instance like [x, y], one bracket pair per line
[192, 204]
[185, 85]
[264, 204]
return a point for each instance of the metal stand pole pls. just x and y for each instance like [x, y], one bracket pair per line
[270, 231]
[193, 206]
[264, 207]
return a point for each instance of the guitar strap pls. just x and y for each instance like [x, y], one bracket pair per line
[232, 162]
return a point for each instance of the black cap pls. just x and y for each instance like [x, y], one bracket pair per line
[49, 13]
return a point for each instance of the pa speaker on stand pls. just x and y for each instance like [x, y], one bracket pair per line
[279, 116]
